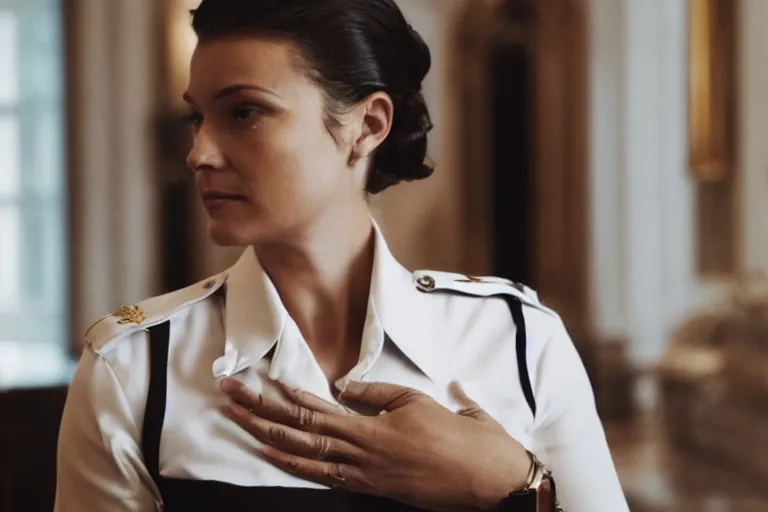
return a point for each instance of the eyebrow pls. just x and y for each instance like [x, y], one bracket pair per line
[232, 89]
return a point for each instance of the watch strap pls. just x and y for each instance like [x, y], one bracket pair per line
[540, 494]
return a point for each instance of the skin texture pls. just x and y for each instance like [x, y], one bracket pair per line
[272, 174]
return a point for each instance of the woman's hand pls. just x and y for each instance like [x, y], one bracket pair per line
[415, 451]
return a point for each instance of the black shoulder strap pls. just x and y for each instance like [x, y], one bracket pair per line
[154, 415]
[522, 353]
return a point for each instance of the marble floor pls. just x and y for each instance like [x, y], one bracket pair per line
[658, 478]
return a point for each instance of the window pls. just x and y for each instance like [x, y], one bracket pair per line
[33, 224]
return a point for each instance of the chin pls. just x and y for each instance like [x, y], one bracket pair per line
[229, 234]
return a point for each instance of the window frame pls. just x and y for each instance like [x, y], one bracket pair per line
[41, 300]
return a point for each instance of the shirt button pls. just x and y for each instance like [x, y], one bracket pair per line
[426, 283]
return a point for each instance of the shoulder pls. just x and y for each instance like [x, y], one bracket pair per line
[134, 318]
[475, 320]
[451, 285]
[491, 308]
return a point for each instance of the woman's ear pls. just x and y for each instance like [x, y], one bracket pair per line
[374, 121]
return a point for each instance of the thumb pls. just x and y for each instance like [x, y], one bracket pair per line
[469, 407]
[382, 396]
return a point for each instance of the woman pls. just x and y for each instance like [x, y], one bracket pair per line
[317, 373]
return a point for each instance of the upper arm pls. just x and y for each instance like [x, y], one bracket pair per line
[569, 436]
[99, 463]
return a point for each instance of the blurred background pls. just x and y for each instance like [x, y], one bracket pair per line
[609, 153]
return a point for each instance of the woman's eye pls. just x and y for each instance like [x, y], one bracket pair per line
[192, 119]
[244, 113]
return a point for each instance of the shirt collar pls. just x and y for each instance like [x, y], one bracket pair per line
[255, 315]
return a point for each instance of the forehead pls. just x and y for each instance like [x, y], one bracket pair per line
[267, 62]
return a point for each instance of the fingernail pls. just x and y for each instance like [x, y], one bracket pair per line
[341, 384]
[353, 386]
[227, 385]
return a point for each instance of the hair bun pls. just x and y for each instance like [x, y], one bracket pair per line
[402, 157]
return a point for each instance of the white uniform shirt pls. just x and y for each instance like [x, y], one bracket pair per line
[225, 326]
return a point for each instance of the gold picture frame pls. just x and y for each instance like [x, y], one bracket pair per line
[712, 88]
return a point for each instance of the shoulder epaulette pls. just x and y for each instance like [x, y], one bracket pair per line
[429, 281]
[137, 317]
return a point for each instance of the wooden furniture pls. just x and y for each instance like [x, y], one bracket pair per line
[29, 427]
[33, 389]
[714, 386]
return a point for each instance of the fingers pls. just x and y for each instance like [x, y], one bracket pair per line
[382, 396]
[332, 474]
[470, 408]
[313, 402]
[291, 440]
[309, 415]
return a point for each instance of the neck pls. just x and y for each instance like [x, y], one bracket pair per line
[323, 278]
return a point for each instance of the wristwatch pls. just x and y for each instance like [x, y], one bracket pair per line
[539, 495]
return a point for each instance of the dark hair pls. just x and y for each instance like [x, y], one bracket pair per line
[352, 48]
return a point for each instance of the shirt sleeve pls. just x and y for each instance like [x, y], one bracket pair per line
[99, 463]
[569, 437]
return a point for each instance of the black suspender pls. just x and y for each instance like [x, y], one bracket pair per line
[154, 416]
[521, 342]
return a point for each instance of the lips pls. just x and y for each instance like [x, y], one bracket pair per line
[222, 196]
[214, 199]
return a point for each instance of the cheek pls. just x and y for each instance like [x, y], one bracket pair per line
[293, 159]
[289, 171]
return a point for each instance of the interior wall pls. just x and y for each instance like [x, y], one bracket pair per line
[112, 96]
[752, 149]
[608, 286]
[642, 196]
[423, 220]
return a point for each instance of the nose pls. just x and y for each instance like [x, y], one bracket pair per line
[205, 154]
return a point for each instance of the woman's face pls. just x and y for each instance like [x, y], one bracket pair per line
[265, 163]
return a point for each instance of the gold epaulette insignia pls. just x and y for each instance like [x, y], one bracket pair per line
[132, 314]
[471, 279]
